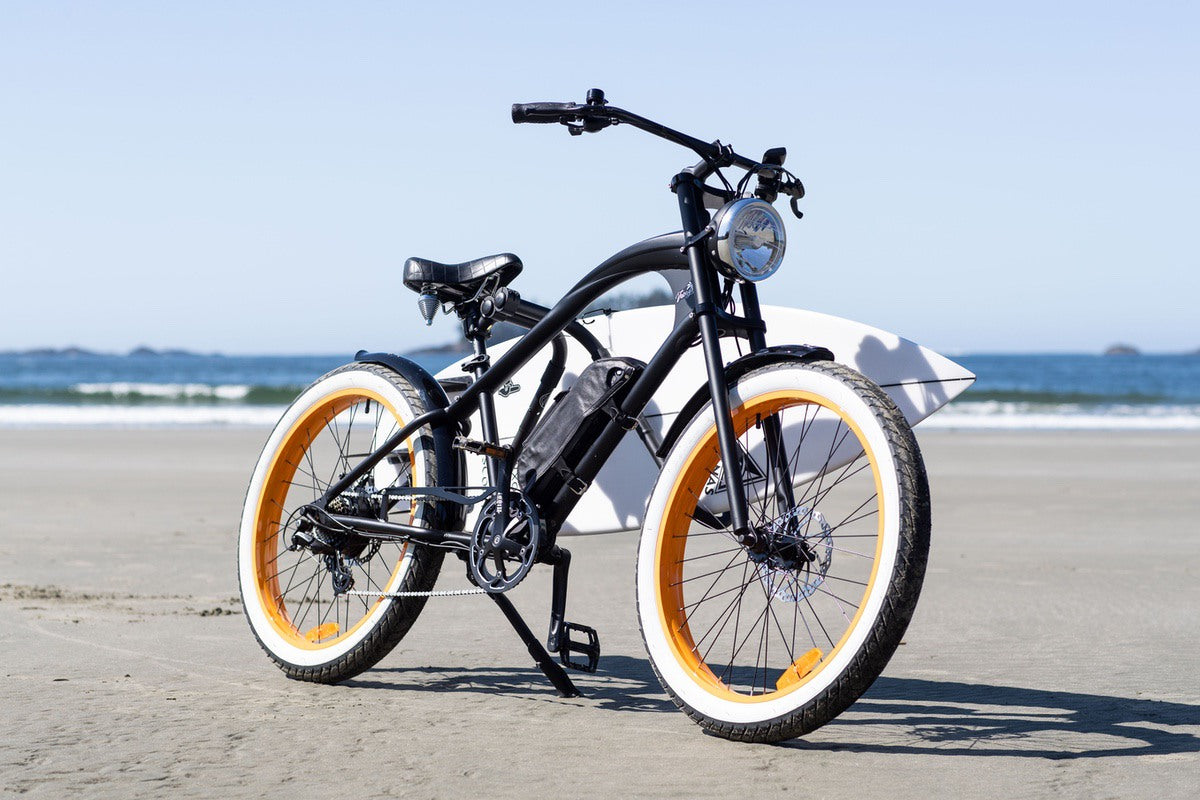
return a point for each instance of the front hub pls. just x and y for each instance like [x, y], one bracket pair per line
[796, 556]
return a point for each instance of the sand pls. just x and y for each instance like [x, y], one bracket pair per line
[1054, 653]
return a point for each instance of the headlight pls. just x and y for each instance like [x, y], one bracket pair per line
[750, 238]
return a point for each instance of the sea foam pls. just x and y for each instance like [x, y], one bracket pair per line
[143, 416]
[994, 415]
[165, 391]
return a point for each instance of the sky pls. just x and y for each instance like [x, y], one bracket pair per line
[249, 177]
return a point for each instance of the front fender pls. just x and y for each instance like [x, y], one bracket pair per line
[735, 370]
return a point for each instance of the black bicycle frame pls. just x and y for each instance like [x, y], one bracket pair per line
[706, 322]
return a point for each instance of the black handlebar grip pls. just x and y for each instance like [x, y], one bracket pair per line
[543, 113]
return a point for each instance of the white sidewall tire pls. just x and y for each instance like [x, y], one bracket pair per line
[280, 647]
[659, 648]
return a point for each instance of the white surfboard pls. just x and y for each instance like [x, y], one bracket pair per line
[918, 379]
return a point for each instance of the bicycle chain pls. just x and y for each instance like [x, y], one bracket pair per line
[433, 593]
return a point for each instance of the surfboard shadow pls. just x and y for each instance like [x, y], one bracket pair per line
[874, 357]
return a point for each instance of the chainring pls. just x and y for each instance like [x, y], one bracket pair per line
[499, 562]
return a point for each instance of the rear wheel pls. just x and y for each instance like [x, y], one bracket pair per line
[319, 606]
[769, 642]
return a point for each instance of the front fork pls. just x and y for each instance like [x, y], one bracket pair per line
[705, 295]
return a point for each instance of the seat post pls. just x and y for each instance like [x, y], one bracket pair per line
[478, 327]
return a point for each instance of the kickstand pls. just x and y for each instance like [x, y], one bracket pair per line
[557, 675]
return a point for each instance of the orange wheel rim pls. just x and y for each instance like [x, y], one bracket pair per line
[269, 521]
[672, 553]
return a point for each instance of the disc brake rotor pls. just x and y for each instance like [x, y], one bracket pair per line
[794, 585]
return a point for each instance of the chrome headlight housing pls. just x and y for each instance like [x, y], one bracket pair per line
[749, 238]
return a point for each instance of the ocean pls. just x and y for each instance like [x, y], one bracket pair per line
[1137, 392]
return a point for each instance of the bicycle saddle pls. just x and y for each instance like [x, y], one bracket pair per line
[457, 281]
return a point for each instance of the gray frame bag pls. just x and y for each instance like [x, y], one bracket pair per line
[546, 464]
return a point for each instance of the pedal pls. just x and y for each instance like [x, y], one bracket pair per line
[480, 448]
[571, 646]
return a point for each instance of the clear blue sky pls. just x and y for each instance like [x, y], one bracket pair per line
[249, 177]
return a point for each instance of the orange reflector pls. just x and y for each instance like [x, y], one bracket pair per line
[799, 668]
[322, 632]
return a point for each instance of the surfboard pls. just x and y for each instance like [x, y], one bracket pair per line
[918, 379]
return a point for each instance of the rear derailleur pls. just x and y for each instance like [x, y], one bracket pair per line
[338, 547]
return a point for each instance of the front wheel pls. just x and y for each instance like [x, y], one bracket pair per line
[770, 641]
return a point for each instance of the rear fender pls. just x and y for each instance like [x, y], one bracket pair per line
[452, 467]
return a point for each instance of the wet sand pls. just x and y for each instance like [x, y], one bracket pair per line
[1054, 653]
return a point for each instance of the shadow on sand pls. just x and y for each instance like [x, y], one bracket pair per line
[951, 718]
[622, 684]
[913, 715]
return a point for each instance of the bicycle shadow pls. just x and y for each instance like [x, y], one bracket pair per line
[953, 718]
[622, 683]
[898, 716]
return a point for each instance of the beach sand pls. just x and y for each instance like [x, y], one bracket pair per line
[1054, 652]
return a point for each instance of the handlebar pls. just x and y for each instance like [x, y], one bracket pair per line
[596, 114]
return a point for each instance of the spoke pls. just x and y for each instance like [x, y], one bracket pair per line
[847, 520]
[724, 615]
[749, 633]
[838, 598]
[332, 604]
[378, 588]
[312, 466]
[369, 579]
[804, 619]
[341, 449]
[302, 485]
[721, 593]
[291, 578]
[845, 580]
[305, 599]
[282, 570]
[822, 473]
[840, 479]
[349, 432]
[850, 552]
[805, 427]
[762, 656]
[706, 594]
[787, 646]
[705, 533]
[717, 572]
[709, 555]
[817, 618]
[738, 618]
[306, 472]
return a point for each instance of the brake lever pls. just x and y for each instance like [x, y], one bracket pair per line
[588, 125]
[795, 190]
